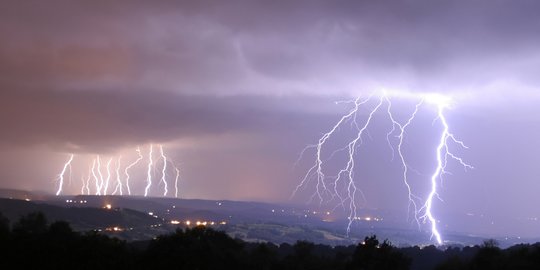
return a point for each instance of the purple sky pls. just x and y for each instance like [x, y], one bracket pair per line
[236, 89]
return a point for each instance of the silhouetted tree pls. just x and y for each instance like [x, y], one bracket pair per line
[370, 254]
[197, 248]
[489, 256]
[4, 227]
[33, 223]
[453, 263]
[263, 257]
[490, 243]
[34, 245]
[306, 255]
[60, 229]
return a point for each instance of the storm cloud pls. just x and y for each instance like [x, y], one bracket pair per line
[236, 89]
[269, 48]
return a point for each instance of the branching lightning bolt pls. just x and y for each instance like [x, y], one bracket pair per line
[402, 127]
[129, 167]
[163, 171]
[346, 174]
[149, 172]
[94, 175]
[442, 155]
[103, 180]
[118, 187]
[108, 178]
[349, 169]
[317, 167]
[83, 187]
[176, 182]
[60, 177]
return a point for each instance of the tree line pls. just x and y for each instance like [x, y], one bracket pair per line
[33, 243]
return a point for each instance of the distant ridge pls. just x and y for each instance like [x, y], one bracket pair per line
[81, 218]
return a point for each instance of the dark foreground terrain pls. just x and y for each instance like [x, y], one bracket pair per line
[144, 218]
[33, 243]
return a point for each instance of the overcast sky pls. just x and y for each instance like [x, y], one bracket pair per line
[234, 90]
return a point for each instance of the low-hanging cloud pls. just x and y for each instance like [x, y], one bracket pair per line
[101, 121]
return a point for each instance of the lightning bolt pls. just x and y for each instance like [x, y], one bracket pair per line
[176, 182]
[94, 175]
[83, 187]
[349, 169]
[108, 168]
[88, 185]
[149, 172]
[85, 182]
[118, 187]
[442, 155]
[163, 171]
[402, 127]
[345, 177]
[138, 150]
[60, 177]
[317, 167]
[103, 180]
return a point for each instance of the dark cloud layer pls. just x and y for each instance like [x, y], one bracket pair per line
[266, 47]
[96, 120]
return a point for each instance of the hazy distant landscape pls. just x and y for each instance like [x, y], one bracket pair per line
[139, 218]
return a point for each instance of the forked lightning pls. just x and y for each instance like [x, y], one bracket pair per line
[344, 188]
